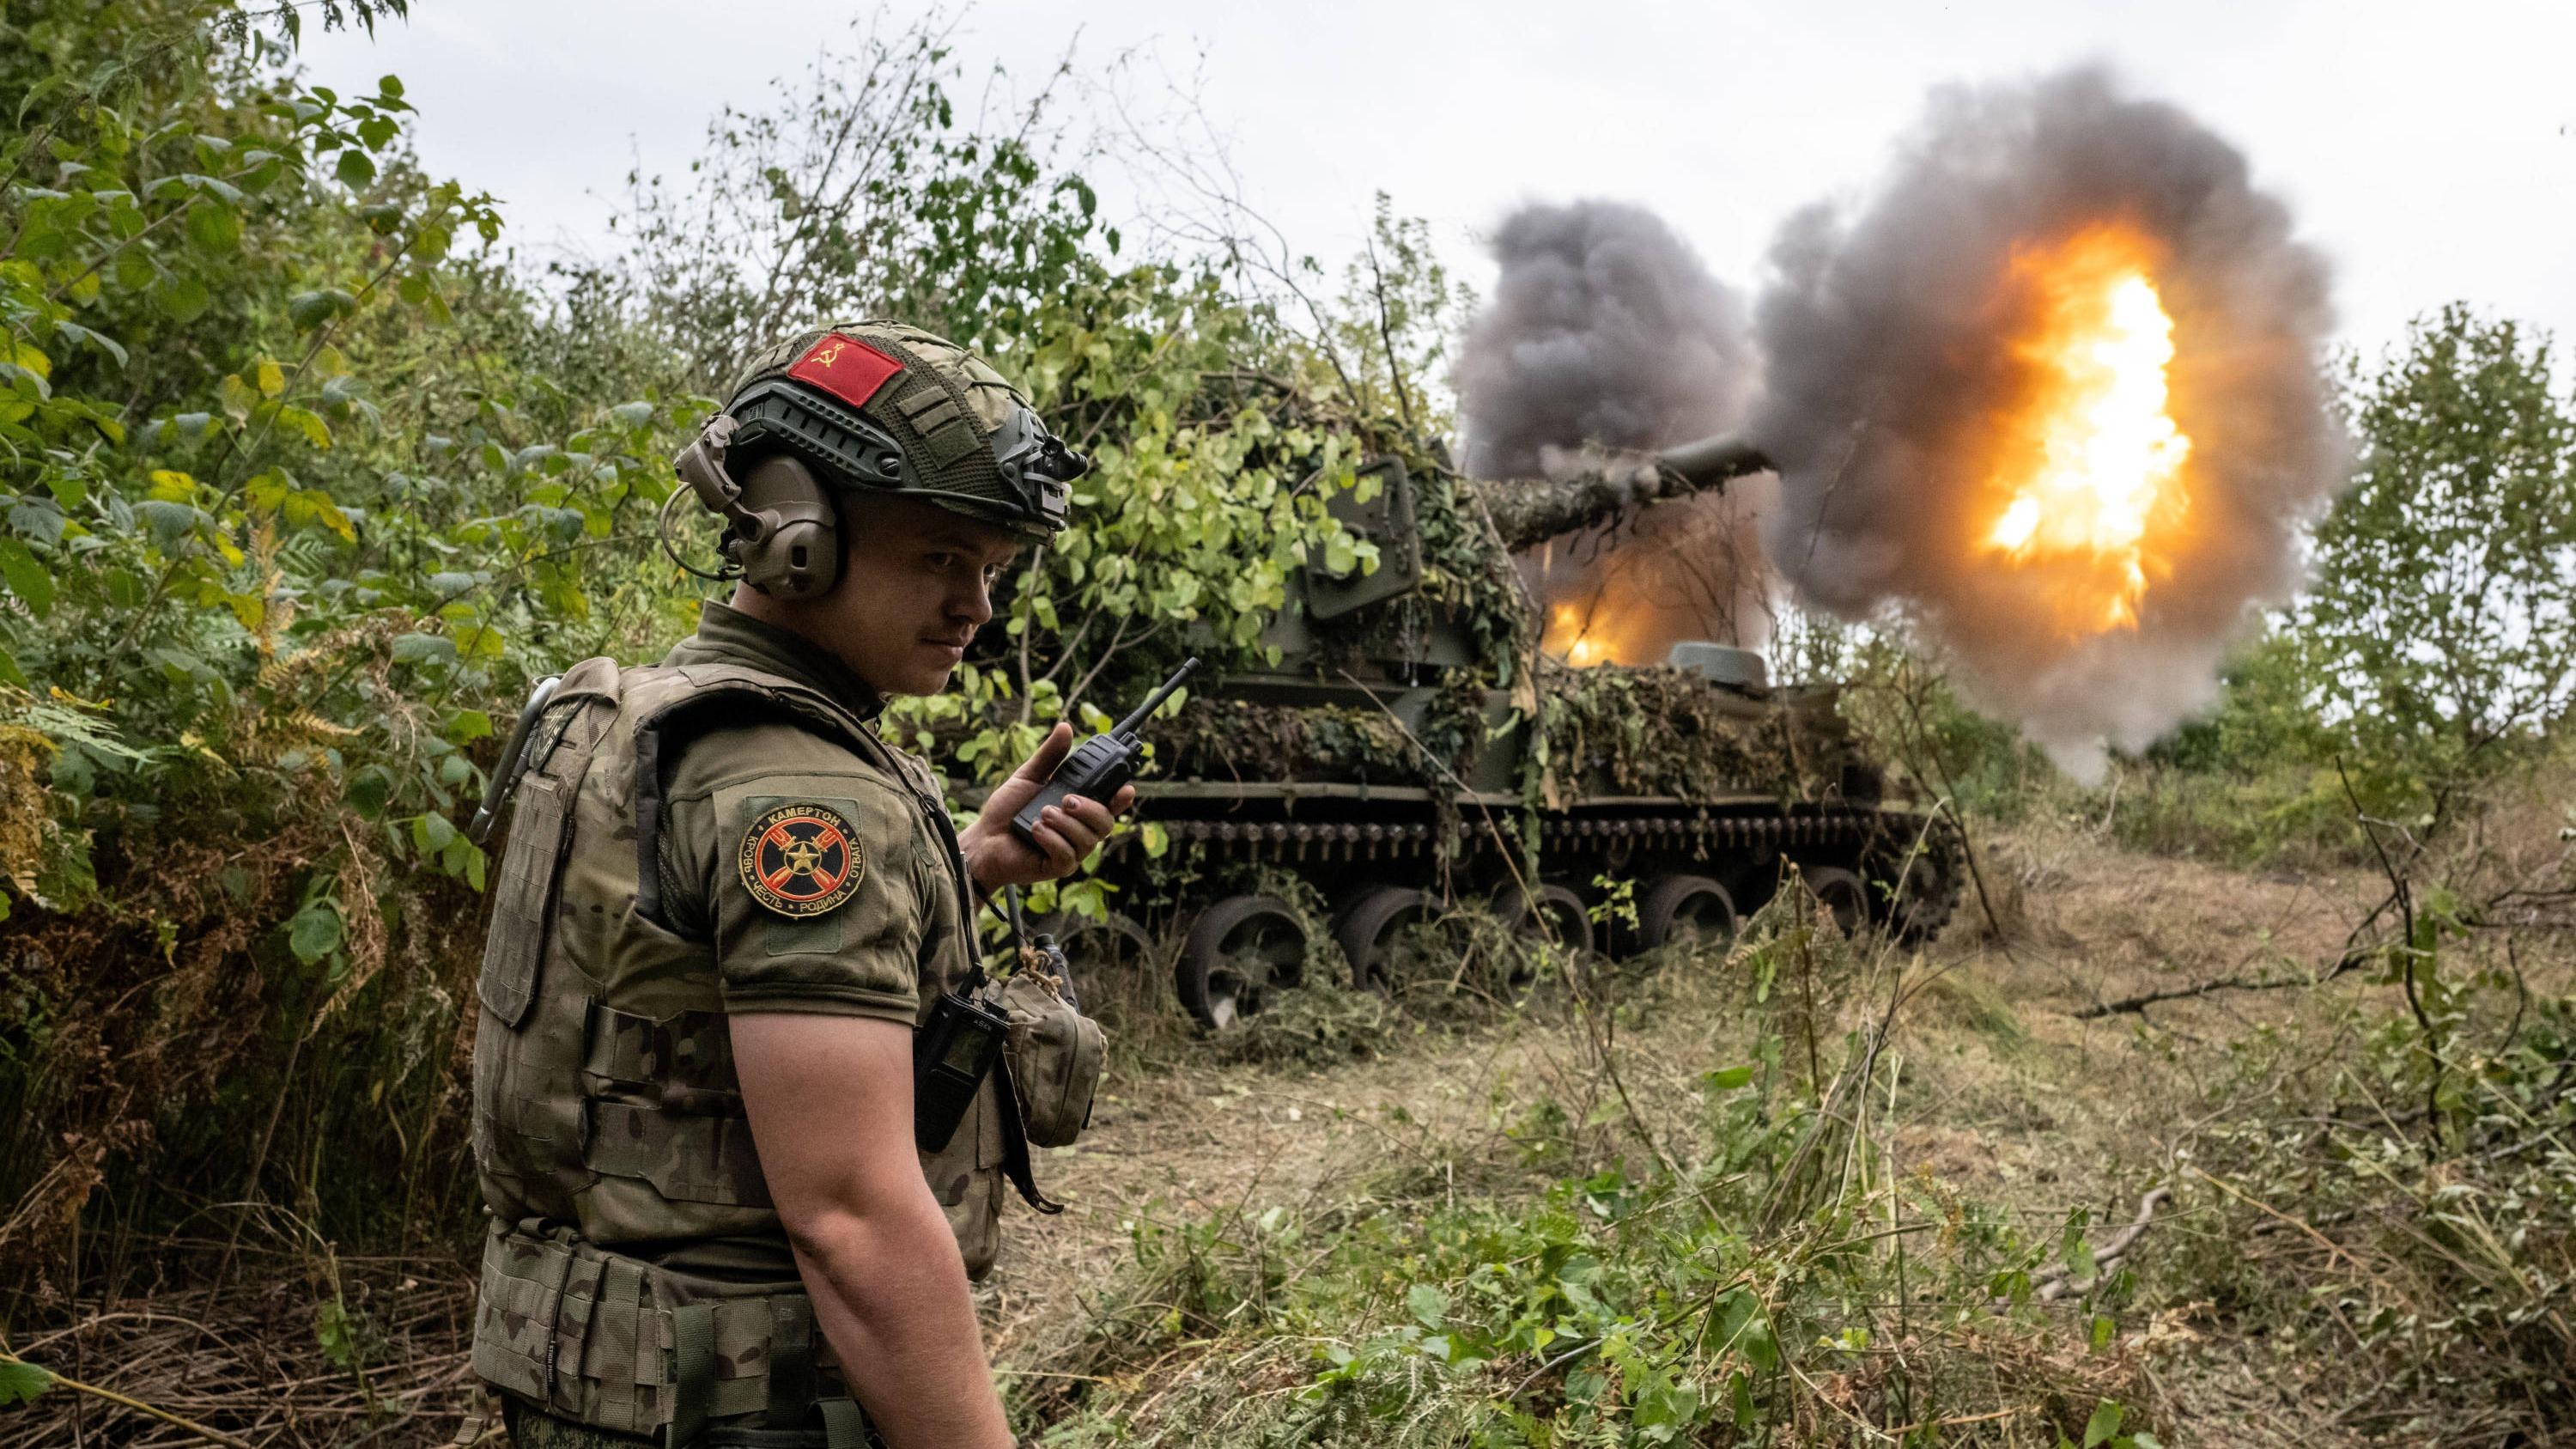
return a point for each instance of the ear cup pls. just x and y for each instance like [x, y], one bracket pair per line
[796, 551]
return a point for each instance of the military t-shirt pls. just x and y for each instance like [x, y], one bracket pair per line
[811, 868]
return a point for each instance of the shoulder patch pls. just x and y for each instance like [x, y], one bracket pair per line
[800, 859]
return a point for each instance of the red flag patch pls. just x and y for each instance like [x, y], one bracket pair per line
[846, 368]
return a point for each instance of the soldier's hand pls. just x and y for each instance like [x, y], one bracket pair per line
[997, 857]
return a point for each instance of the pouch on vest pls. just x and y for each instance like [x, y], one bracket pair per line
[1055, 1055]
[524, 902]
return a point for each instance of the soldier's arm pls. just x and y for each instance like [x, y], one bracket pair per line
[830, 1099]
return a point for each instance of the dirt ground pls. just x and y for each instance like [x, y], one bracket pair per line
[2007, 1094]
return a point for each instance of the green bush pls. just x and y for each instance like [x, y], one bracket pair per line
[1753, 1278]
[2411, 1233]
[306, 480]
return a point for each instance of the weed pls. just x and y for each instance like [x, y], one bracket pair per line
[1753, 1276]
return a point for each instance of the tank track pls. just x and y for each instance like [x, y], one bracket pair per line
[1877, 840]
[1287, 840]
[1896, 869]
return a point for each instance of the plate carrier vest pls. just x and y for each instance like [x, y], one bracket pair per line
[606, 1109]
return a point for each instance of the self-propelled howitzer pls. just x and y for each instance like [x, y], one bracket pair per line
[1413, 749]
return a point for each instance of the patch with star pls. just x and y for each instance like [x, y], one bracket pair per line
[800, 859]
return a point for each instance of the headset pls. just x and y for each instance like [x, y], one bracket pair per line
[782, 535]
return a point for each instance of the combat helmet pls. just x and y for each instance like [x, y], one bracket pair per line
[881, 407]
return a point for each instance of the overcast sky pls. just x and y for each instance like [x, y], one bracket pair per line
[2430, 149]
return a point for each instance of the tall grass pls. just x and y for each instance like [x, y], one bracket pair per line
[1717, 1250]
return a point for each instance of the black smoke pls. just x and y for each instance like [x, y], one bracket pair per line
[1883, 358]
[1605, 329]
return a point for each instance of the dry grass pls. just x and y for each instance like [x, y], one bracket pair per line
[243, 1355]
[2005, 1095]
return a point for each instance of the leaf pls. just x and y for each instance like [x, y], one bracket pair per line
[423, 649]
[21, 1381]
[2104, 1423]
[336, 1334]
[213, 227]
[355, 170]
[168, 521]
[182, 299]
[315, 932]
[1429, 1305]
[73, 331]
[308, 310]
[433, 832]
[1727, 1079]
[308, 423]
[38, 520]
[272, 378]
[2077, 1254]
[370, 790]
[28, 578]
[236, 397]
[481, 641]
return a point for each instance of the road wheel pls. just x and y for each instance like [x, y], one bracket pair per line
[1555, 914]
[1238, 953]
[1558, 912]
[1689, 908]
[1840, 892]
[1927, 887]
[1368, 926]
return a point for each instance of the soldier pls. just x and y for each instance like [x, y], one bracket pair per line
[726, 907]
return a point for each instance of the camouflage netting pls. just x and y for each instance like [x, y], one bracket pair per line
[1467, 577]
[1229, 739]
[1658, 731]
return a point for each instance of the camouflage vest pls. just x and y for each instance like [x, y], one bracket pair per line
[608, 1123]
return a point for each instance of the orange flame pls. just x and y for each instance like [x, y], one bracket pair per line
[2089, 476]
[1575, 638]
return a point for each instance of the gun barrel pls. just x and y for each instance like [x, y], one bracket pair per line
[1714, 460]
[1127, 726]
[1528, 512]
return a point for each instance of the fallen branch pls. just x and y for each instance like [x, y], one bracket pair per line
[2056, 1283]
[2357, 953]
[217, 1436]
